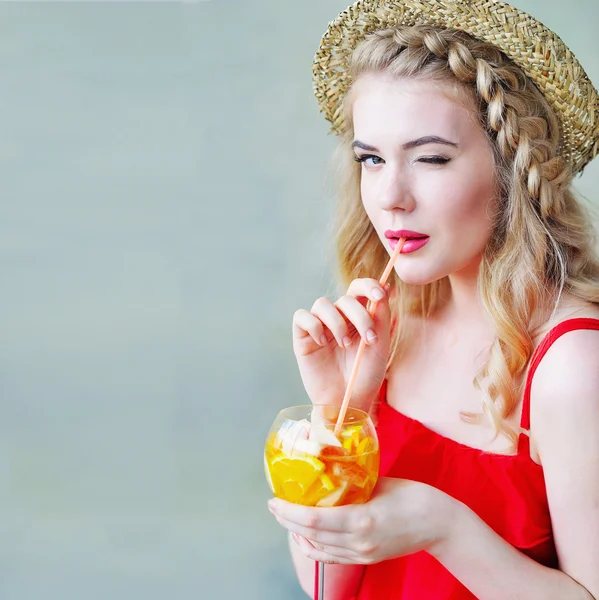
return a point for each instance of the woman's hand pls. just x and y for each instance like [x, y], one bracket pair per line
[326, 340]
[402, 517]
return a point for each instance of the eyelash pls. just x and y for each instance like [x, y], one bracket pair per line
[364, 157]
[431, 160]
[434, 160]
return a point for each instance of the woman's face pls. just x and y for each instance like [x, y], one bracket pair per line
[427, 174]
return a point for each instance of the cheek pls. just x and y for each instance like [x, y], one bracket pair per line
[470, 212]
[368, 196]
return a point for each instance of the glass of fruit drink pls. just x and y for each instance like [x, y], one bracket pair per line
[306, 463]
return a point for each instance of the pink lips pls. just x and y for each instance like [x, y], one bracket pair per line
[414, 240]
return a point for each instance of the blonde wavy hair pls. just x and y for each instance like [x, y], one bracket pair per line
[542, 241]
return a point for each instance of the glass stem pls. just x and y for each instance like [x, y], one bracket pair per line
[319, 581]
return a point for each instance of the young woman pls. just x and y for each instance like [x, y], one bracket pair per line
[460, 133]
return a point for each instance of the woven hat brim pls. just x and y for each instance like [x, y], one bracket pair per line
[541, 54]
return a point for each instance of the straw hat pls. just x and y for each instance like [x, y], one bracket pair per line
[541, 54]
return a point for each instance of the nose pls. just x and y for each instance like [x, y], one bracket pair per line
[396, 191]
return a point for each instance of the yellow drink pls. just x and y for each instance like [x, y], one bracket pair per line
[306, 463]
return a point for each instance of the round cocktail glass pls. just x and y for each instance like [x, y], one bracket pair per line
[306, 463]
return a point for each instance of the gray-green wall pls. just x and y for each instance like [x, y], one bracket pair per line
[163, 212]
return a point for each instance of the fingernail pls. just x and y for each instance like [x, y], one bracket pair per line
[347, 341]
[271, 506]
[377, 294]
[387, 287]
[323, 340]
[370, 336]
[295, 538]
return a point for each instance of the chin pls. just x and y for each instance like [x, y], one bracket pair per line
[417, 276]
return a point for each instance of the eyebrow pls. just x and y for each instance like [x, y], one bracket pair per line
[429, 139]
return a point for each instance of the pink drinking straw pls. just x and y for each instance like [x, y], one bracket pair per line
[371, 308]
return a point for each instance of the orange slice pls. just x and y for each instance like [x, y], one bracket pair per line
[327, 482]
[366, 445]
[332, 452]
[351, 473]
[352, 431]
[292, 492]
[321, 488]
[296, 474]
[348, 444]
[335, 497]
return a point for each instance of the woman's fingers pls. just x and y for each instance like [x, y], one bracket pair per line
[356, 310]
[333, 320]
[318, 537]
[358, 316]
[315, 518]
[378, 307]
[327, 320]
[306, 324]
[310, 551]
[366, 288]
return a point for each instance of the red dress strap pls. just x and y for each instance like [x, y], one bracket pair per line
[539, 353]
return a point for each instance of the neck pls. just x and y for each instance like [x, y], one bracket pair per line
[465, 303]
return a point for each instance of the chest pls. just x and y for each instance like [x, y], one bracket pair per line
[433, 382]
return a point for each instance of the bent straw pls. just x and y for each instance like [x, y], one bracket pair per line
[371, 309]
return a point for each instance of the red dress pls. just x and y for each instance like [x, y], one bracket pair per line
[507, 492]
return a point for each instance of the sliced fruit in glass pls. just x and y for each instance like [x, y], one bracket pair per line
[306, 463]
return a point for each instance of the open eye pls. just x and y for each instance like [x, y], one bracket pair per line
[369, 159]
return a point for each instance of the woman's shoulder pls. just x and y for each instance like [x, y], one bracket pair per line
[569, 366]
[564, 392]
[568, 309]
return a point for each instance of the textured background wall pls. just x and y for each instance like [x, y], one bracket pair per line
[163, 213]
